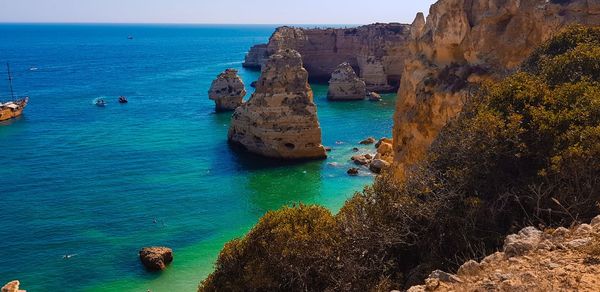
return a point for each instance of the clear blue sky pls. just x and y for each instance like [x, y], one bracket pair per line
[213, 11]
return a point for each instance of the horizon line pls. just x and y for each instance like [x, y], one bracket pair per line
[189, 23]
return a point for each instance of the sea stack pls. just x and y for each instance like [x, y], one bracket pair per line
[227, 91]
[280, 119]
[345, 84]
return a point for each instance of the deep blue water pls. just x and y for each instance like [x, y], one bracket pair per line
[92, 182]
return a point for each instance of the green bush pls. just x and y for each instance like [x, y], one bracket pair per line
[288, 250]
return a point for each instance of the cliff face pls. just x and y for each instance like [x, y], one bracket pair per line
[463, 42]
[280, 119]
[256, 57]
[376, 51]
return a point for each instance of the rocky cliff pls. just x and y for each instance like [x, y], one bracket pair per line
[555, 260]
[376, 51]
[256, 57]
[280, 119]
[461, 43]
[227, 91]
[345, 84]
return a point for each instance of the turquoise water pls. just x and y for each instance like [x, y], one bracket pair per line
[100, 183]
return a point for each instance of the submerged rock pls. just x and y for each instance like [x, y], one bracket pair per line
[227, 91]
[353, 171]
[156, 258]
[280, 119]
[368, 141]
[345, 84]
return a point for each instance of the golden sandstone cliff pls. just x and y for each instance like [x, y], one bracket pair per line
[280, 119]
[376, 51]
[461, 43]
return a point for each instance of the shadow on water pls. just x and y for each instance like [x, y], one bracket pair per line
[251, 162]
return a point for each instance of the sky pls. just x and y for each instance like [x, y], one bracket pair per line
[213, 11]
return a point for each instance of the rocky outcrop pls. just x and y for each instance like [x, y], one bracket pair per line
[461, 43]
[345, 84]
[280, 119]
[227, 91]
[256, 57]
[377, 51]
[12, 286]
[156, 258]
[533, 260]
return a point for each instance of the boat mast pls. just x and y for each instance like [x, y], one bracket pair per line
[12, 93]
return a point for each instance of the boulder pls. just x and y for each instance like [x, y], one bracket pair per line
[383, 140]
[525, 241]
[345, 84]
[378, 165]
[12, 286]
[156, 258]
[227, 91]
[368, 141]
[374, 96]
[364, 159]
[280, 119]
[353, 171]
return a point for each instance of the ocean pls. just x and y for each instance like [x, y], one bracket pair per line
[100, 183]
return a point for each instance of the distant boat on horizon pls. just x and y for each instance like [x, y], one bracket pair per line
[15, 106]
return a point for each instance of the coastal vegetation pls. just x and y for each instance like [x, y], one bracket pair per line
[524, 151]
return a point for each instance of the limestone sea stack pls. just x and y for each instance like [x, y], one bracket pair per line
[227, 91]
[280, 119]
[156, 258]
[345, 84]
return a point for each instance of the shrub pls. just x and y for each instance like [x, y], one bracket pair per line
[288, 250]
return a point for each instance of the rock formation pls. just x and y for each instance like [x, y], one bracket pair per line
[345, 85]
[227, 91]
[463, 42]
[156, 258]
[12, 286]
[555, 260]
[377, 51]
[256, 57]
[280, 119]
[374, 96]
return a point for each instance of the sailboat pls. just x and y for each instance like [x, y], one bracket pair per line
[15, 107]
